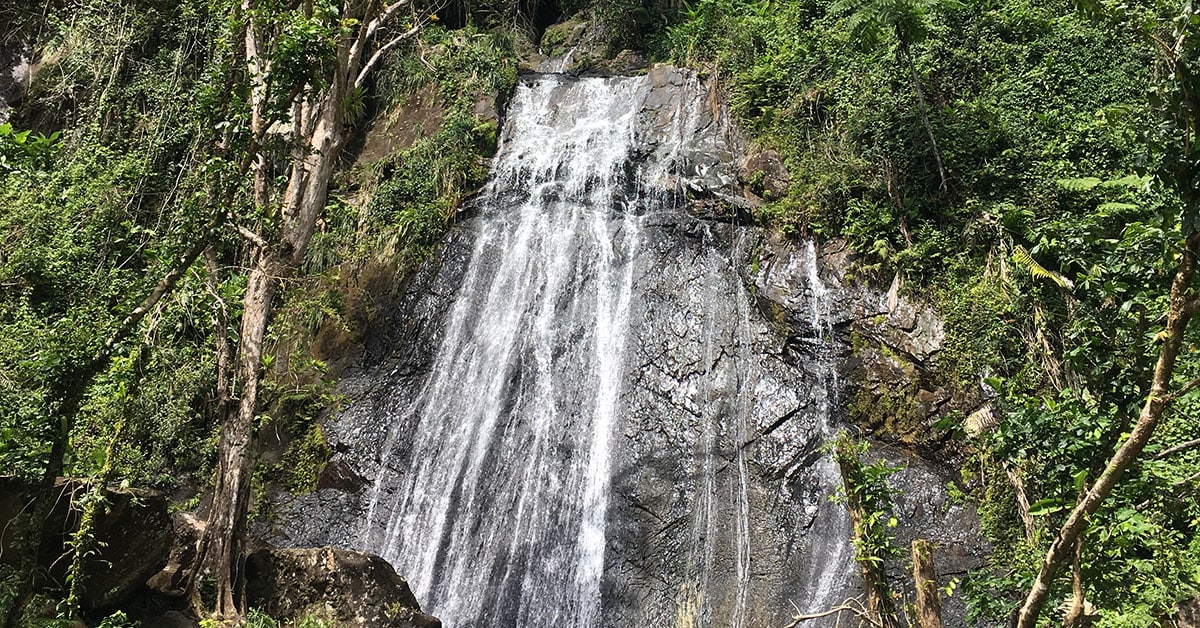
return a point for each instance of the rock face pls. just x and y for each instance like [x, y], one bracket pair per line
[733, 374]
[15, 73]
[132, 538]
[351, 588]
[890, 344]
[171, 580]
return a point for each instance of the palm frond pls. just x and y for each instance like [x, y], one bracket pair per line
[1022, 258]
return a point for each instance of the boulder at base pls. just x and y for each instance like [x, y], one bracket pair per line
[352, 588]
[131, 535]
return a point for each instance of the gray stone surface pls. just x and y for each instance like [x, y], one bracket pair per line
[741, 364]
[350, 588]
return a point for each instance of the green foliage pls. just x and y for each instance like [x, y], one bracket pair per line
[865, 485]
[909, 21]
[1071, 165]
[91, 220]
[117, 620]
[25, 153]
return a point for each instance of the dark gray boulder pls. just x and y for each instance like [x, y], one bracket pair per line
[132, 535]
[351, 588]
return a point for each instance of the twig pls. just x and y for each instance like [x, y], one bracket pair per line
[1185, 389]
[254, 238]
[860, 612]
[1190, 478]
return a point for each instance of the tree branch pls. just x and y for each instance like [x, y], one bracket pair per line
[368, 32]
[845, 606]
[1178, 448]
[161, 289]
[1190, 478]
[383, 50]
[252, 237]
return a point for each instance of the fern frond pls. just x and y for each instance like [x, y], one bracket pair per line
[1131, 181]
[1022, 258]
[1115, 207]
[1079, 185]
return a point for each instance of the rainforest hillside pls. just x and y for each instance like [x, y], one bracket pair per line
[210, 209]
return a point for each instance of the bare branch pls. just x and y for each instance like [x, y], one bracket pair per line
[252, 237]
[1191, 478]
[368, 32]
[383, 50]
[385, 15]
[858, 611]
[1178, 448]
[1185, 389]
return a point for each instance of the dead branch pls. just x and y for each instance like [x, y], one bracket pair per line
[846, 606]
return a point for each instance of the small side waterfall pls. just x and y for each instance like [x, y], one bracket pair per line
[586, 419]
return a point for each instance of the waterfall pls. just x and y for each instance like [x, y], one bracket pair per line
[502, 517]
[585, 419]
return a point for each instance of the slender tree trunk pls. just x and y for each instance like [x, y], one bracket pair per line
[1179, 313]
[317, 131]
[222, 552]
[929, 606]
[912, 66]
[235, 467]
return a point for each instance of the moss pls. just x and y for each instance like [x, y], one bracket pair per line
[998, 515]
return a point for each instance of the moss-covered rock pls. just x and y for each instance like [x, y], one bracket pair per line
[351, 588]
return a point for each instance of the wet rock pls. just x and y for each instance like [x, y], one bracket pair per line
[133, 536]
[628, 62]
[739, 349]
[559, 39]
[16, 72]
[894, 386]
[352, 588]
[764, 175]
[925, 509]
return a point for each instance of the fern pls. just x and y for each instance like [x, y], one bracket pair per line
[1022, 258]
[1079, 185]
[1131, 181]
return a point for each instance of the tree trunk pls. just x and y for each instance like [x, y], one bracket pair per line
[225, 534]
[317, 133]
[929, 607]
[937, 155]
[222, 552]
[1179, 313]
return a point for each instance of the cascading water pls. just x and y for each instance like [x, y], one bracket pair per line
[588, 421]
[502, 518]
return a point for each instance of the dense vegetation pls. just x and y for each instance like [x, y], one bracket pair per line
[1050, 244]
[1031, 165]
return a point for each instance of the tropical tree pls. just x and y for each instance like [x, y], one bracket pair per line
[872, 22]
[1176, 39]
[306, 66]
